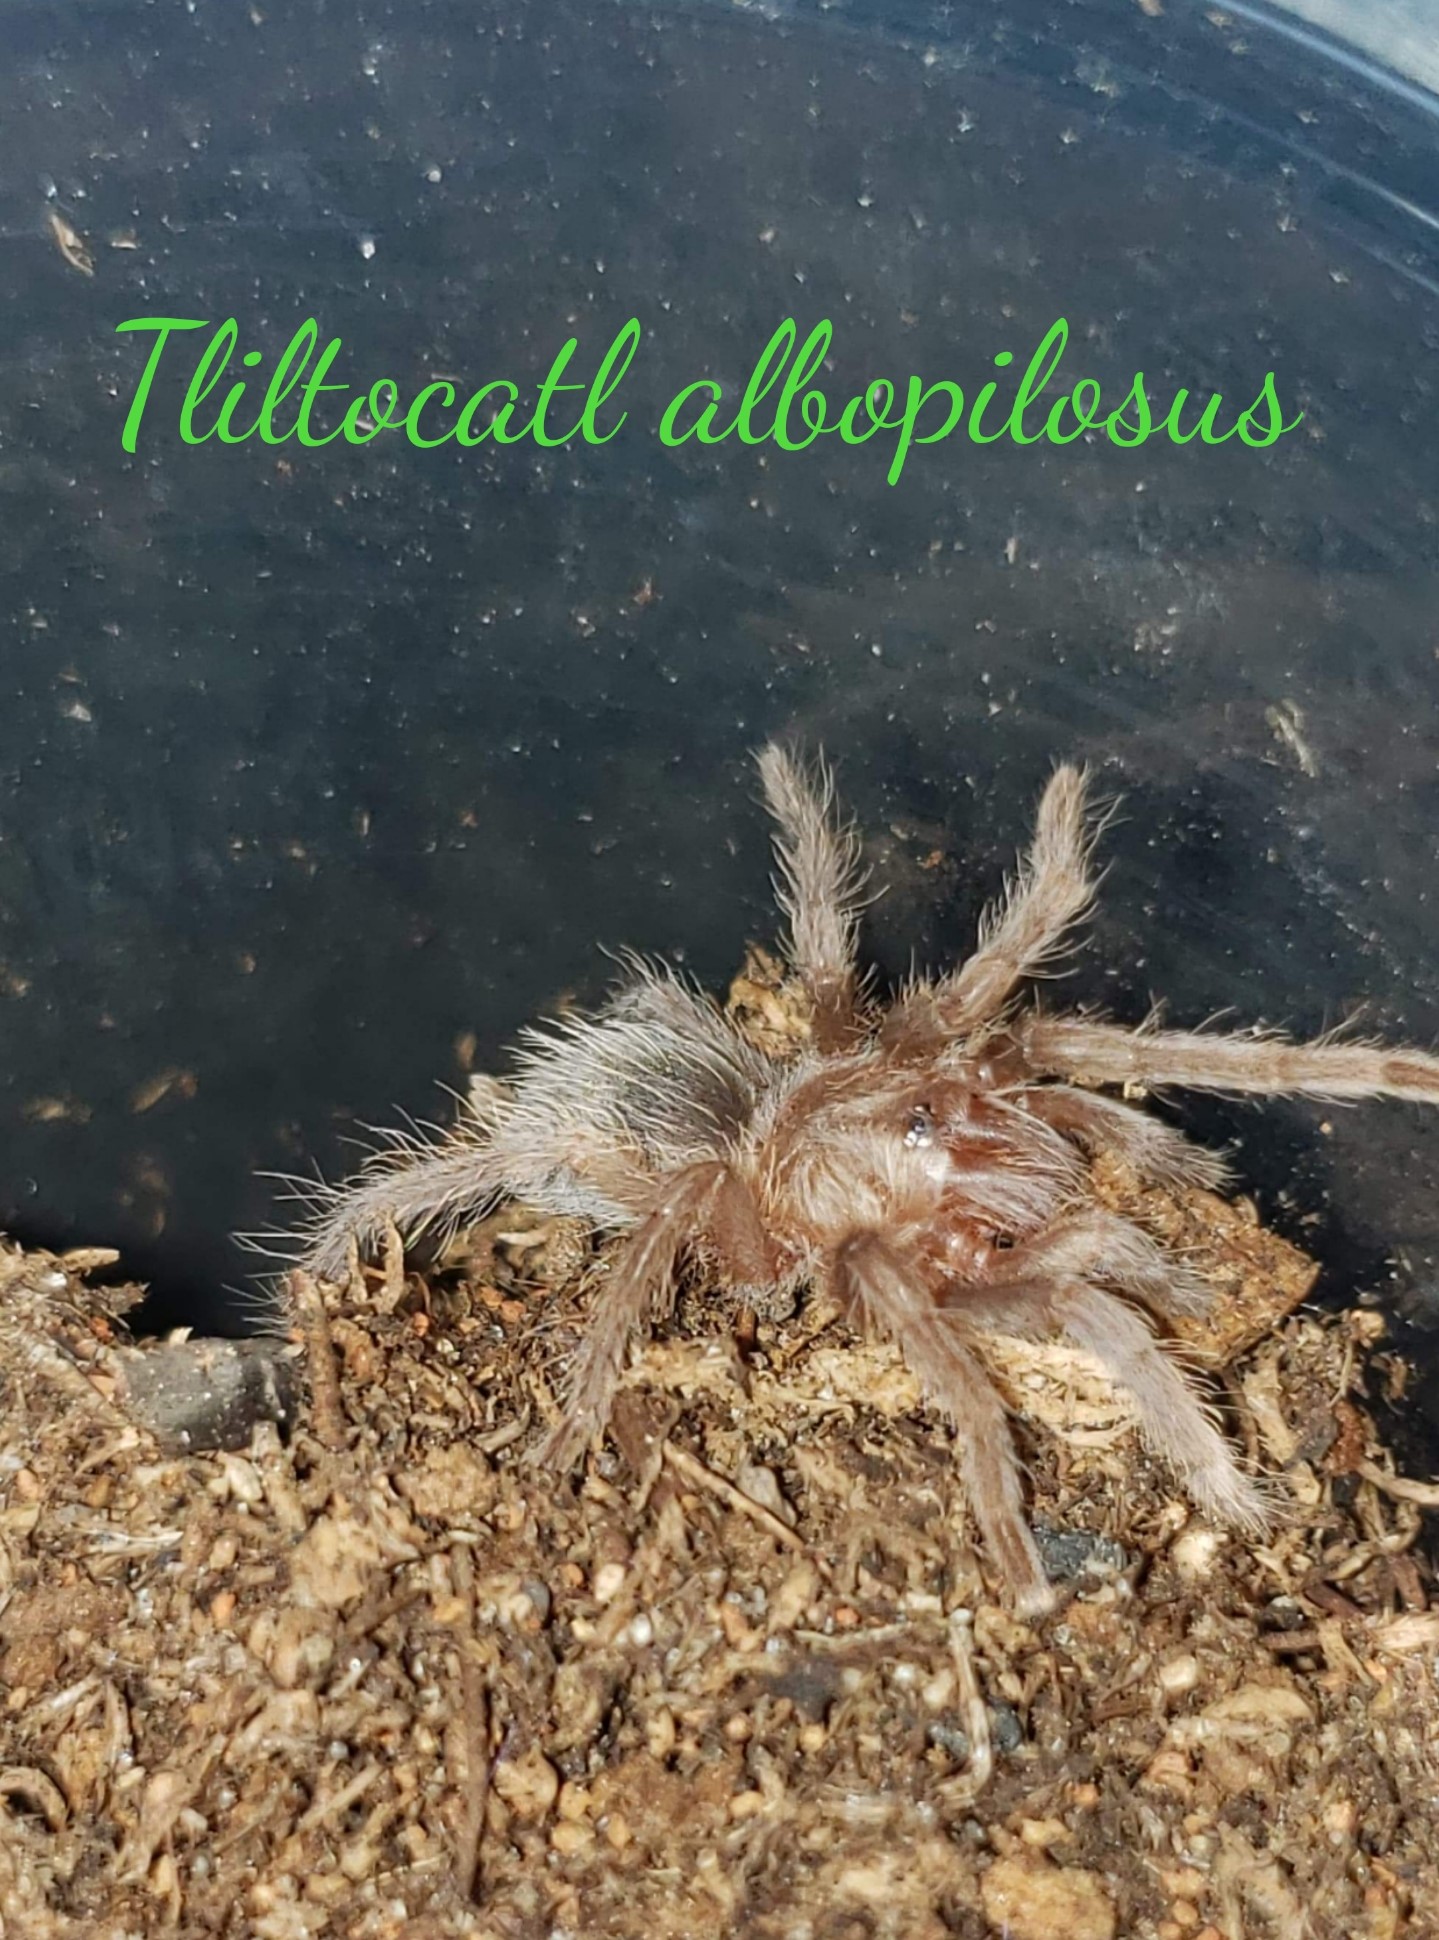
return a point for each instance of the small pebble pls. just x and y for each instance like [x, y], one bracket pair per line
[609, 1581]
[951, 1739]
[746, 1805]
[1043, 1833]
[794, 1596]
[660, 1735]
[223, 1552]
[939, 1691]
[529, 1785]
[1037, 1901]
[1179, 1674]
[1341, 1820]
[1196, 1551]
[573, 1802]
[1005, 1730]
[1071, 1553]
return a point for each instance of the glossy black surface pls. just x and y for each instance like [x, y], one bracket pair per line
[313, 761]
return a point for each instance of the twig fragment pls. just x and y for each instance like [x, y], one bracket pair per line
[695, 1471]
[327, 1413]
[968, 1785]
[475, 1736]
[1425, 1494]
[392, 1262]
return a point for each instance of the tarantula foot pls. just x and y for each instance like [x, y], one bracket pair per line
[1035, 1600]
[1237, 1500]
[562, 1449]
[1186, 1295]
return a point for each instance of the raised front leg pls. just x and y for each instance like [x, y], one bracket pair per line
[1019, 936]
[819, 890]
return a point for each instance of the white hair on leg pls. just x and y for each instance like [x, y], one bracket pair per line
[893, 1298]
[638, 1290]
[1261, 1063]
[820, 883]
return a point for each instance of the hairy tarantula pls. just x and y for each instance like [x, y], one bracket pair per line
[923, 1163]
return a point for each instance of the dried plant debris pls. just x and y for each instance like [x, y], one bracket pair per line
[386, 1682]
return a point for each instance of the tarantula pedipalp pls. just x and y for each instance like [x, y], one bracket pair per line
[923, 1163]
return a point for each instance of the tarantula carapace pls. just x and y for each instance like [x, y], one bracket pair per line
[924, 1163]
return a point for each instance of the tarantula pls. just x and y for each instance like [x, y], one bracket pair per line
[923, 1162]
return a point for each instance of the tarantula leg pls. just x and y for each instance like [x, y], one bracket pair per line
[1099, 1124]
[1019, 935]
[1172, 1418]
[1096, 1053]
[705, 1200]
[422, 1189]
[1088, 1246]
[891, 1295]
[820, 883]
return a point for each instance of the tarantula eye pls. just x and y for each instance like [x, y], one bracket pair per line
[920, 1129]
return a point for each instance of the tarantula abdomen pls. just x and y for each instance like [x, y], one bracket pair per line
[926, 1163]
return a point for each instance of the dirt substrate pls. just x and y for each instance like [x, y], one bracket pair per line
[375, 1676]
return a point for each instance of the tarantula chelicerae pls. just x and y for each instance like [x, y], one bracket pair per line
[923, 1163]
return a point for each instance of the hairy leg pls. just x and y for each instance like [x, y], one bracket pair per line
[1022, 933]
[703, 1201]
[820, 881]
[890, 1293]
[1099, 1124]
[1172, 1418]
[1095, 1053]
[1091, 1246]
[419, 1187]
